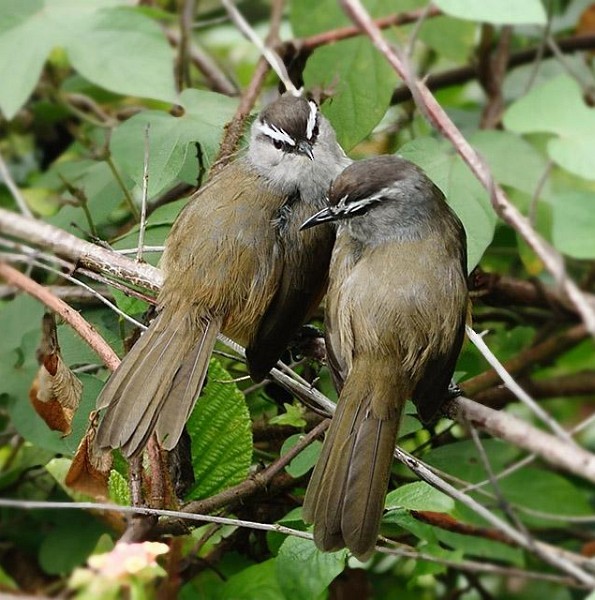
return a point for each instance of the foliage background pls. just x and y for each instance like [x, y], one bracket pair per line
[80, 81]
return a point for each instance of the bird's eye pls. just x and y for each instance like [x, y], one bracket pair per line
[278, 144]
[315, 131]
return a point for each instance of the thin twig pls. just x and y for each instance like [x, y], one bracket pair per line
[32, 261]
[256, 482]
[216, 79]
[13, 188]
[400, 550]
[345, 33]
[186, 19]
[71, 316]
[268, 53]
[562, 560]
[143, 206]
[515, 388]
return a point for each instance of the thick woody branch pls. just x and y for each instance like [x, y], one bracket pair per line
[93, 257]
[571, 458]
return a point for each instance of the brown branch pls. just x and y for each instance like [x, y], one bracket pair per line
[540, 353]
[71, 316]
[553, 450]
[567, 386]
[502, 290]
[215, 78]
[492, 71]
[448, 523]
[94, 257]
[249, 487]
[343, 33]
[69, 293]
[182, 67]
[257, 482]
[462, 75]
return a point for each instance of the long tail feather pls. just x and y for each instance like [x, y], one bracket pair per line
[345, 497]
[163, 372]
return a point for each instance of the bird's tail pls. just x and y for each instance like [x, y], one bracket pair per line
[346, 494]
[156, 385]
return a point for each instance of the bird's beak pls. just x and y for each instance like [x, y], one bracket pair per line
[305, 148]
[323, 216]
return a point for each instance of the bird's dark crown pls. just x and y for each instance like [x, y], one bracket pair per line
[366, 178]
[290, 120]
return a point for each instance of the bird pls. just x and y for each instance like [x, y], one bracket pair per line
[396, 309]
[234, 262]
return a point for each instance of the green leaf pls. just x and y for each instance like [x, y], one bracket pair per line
[18, 318]
[558, 107]
[450, 38]
[305, 460]
[101, 190]
[118, 488]
[462, 190]
[69, 541]
[574, 223]
[123, 51]
[361, 79]
[21, 61]
[221, 433]
[544, 491]
[498, 12]
[293, 415]
[303, 571]
[110, 44]
[172, 140]
[419, 496]
[258, 581]
[461, 458]
[129, 304]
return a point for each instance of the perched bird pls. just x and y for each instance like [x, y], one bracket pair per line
[395, 318]
[235, 261]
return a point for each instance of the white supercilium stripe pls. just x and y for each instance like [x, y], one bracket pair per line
[275, 133]
[311, 119]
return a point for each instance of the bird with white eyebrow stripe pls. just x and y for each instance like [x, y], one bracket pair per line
[235, 261]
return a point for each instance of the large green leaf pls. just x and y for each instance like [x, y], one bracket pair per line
[97, 183]
[172, 140]
[462, 190]
[359, 76]
[419, 496]
[498, 12]
[461, 459]
[69, 541]
[305, 460]
[574, 223]
[303, 571]
[558, 107]
[258, 581]
[109, 43]
[221, 433]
